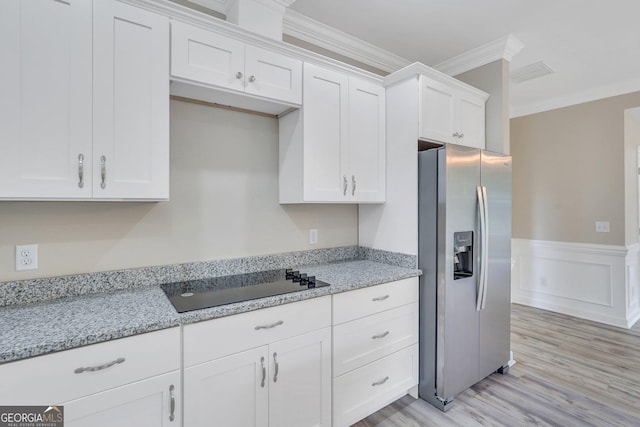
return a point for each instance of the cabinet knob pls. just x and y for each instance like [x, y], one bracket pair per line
[239, 75]
[353, 185]
[344, 185]
[252, 79]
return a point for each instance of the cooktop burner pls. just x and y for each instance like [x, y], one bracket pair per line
[216, 291]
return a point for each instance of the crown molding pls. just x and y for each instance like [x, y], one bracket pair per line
[589, 95]
[223, 6]
[321, 35]
[503, 48]
[220, 6]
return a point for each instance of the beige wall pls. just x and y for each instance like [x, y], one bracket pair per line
[224, 204]
[568, 172]
[493, 78]
[631, 168]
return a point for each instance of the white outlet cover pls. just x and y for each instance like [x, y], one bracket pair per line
[602, 226]
[313, 236]
[26, 257]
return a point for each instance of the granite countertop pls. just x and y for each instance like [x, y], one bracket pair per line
[45, 327]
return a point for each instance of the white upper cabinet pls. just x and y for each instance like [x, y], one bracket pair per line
[82, 85]
[207, 58]
[45, 107]
[452, 113]
[366, 141]
[130, 103]
[333, 149]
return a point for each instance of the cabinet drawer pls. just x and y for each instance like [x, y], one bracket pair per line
[364, 302]
[52, 379]
[365, 390]
[364, 340]
[227, 335]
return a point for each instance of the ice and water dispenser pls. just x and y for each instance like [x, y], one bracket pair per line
[462, 254]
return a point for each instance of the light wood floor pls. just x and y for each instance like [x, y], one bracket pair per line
[569, 372]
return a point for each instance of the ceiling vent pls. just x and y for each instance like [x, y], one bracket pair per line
[530, 72]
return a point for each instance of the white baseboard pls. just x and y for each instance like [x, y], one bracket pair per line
[594, 282]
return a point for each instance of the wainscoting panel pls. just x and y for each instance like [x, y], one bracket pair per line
[595, 282]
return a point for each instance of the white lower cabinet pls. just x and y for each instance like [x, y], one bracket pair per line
[300, 380]
[132, 381]
[148, 403]
[375, 351]
[230, 391]
[363, 391]
[286, 381]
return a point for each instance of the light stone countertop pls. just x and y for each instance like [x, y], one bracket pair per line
[46, 327]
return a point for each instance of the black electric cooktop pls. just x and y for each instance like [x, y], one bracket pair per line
[216, 291]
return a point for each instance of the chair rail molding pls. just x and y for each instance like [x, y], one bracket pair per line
[590, 281]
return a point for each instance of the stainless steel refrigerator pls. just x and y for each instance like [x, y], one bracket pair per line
[465, 254]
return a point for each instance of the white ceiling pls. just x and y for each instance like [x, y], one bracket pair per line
[592, 45]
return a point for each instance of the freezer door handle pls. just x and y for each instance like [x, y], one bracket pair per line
[482, 277]
[485, 249]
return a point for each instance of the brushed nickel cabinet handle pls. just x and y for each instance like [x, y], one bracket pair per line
[382, 335]
[100, 367]
[353, 185]
[275, 362]
[380, 382]
[269, 326]
[103, 172]
[80, 170]
[172, 403]
[264, 372]
[252, 79]
[382, 298]
[344, 185]
[239, 75]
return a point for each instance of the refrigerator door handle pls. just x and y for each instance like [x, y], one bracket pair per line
[481, 282]
[485, 248]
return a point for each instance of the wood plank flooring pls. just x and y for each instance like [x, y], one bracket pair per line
[569, 372]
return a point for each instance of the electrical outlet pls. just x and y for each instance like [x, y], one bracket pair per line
[26, 257]
[313, 236]
[602, 226]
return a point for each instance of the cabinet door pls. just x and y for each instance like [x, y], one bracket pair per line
[300, 380]
[131, 102]
[437, 120]
[273, 75]
[325, 134]
[154, 402]
[470, 121]
[45, 106]
[366, 141]
[205, 57]
[231, 391]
